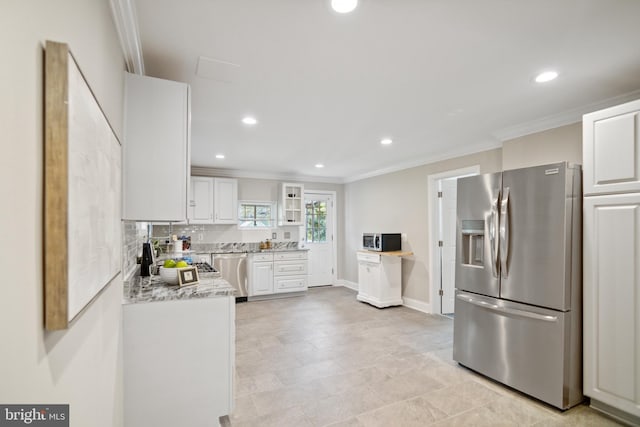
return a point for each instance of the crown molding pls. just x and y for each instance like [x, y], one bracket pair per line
[239, 173]
[126, 20]
[562, 119]
[452, 154]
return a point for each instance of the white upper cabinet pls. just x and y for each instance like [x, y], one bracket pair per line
[225, 201]
[213, 200]
[200, 208]
[156, 149]
[611, 150]
[292, 204]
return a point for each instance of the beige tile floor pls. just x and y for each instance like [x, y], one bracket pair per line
[326, 359]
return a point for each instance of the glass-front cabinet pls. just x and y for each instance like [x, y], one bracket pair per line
[292, 204]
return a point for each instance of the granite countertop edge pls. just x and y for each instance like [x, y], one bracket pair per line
[140, 290]
[257, 251]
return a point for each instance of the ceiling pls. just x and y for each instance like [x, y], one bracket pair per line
[441, 78]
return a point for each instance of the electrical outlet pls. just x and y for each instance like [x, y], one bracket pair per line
[274, 235]
[287, 234]
[200, 236]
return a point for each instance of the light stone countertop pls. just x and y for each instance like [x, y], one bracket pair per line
[152, 289]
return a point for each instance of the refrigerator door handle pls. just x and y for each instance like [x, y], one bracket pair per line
[493, 240]
[505, 310]
[504, 232]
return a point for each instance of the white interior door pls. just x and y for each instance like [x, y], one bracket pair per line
[319, 238]
[442, 258]
[448, 187]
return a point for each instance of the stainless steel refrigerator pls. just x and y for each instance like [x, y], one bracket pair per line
[518, 305]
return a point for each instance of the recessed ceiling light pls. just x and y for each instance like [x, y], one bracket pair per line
[249, 120]
[319, 165]
[344, 6]
[386, 141]
[547, 76]
[219, 156]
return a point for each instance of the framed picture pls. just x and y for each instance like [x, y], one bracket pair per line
[188, 276]
[82, 192]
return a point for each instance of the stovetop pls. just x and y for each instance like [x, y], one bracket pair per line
[204, 267]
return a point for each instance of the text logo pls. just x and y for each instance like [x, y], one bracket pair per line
[34, 415]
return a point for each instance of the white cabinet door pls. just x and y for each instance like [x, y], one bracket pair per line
[225, 204]
[368, 279]
[612, 301]
[611, 149]
[201, 200]
[156, 149]
[292, 209]
[261, 282]
[179, 361]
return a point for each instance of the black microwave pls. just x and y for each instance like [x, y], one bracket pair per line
[382, 242]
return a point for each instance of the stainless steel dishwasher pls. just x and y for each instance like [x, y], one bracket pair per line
[233, 268]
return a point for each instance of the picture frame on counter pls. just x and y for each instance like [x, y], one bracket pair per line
[188, 276]
[82, 184]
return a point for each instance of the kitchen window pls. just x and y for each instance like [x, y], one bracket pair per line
[256, 214]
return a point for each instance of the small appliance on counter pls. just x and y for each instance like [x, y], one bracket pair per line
[147, 260]
[382, 242]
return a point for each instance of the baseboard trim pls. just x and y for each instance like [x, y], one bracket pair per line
[347, 284]
[615, 413]
[414, 304]
[411, 303]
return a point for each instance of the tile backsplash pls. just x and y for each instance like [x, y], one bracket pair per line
[206, 233]
[134, 234]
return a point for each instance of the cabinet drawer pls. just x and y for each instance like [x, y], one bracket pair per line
[369, 257]
[290, 284]
[290, 255]
[261, 257]
[287, 268]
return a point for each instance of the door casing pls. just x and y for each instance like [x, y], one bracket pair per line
[434, 255]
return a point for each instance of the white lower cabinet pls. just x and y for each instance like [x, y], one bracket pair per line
[260, 274]
[179, 361]
[612, 304]
[379, 279]
[279, 272]
[290, 272]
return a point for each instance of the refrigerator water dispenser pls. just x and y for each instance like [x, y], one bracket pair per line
[473, 242]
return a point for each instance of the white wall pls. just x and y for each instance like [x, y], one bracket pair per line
[81, 366]
[550, 146]
[397, 203]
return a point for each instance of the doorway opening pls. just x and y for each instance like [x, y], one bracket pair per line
[442, 237]
[319, 236]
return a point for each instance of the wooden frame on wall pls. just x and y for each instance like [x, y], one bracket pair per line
[82, 192]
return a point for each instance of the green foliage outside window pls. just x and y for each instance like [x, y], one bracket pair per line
[255, 215]
[316, 226]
